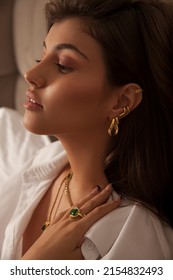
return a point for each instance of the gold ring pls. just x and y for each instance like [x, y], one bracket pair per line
[75, 212]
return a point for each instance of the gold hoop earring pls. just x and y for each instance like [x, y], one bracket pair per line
[114, 129]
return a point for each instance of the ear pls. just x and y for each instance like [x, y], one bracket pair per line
[129, 95]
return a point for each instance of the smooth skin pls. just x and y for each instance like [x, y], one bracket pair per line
[78, 104]
[66, 245]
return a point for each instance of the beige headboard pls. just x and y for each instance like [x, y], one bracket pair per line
[22, 29]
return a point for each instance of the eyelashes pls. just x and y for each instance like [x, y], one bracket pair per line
[38, 60]
[62, 68]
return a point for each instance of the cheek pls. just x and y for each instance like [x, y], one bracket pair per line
[76, 100]
[69, 107]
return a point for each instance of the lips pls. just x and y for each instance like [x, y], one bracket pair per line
[31, 97]
[32, 103]
[32, 100]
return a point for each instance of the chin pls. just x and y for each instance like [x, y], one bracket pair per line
[33, 126]
[39, 127]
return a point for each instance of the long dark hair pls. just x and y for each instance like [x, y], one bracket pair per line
[137, 41]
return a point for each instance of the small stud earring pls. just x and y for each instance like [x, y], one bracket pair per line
[138, 90]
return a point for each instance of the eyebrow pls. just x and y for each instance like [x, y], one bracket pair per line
[63, 46]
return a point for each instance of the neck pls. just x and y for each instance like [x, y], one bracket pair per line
[86, 158]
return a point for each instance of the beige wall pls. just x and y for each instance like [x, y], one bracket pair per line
[8, 69]
[22, 31]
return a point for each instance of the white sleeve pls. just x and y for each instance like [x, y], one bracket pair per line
[130, 232]
[143, 237]
[17, 144]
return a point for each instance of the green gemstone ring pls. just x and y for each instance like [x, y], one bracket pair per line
[75, 212]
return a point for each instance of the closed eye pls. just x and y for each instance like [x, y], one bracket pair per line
[38, 60]
[64, 69]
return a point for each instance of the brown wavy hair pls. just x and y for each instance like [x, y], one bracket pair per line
[137, 42]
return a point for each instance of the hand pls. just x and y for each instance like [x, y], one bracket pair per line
[62, 240]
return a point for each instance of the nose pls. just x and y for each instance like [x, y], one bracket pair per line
[34, 78]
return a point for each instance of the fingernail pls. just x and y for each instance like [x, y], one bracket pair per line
[96, 190]
[109, 187]
[116, 196]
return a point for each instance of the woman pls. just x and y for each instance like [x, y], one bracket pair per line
[103, 87]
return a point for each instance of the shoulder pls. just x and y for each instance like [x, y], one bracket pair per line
[130, 232]
[143, 236]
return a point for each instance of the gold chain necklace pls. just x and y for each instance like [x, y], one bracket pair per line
[67, 180]
[66, 188]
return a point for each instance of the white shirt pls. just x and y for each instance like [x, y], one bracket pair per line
[16, 143]
[129, 232]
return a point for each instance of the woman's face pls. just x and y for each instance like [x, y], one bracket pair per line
[69, 84]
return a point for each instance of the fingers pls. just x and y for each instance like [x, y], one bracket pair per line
[92, 194]
[92, 200]
[97, 200]
[97, 208]
[97, 213]
[94, 205]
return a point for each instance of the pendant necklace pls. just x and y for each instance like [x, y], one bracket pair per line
[66, 191]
